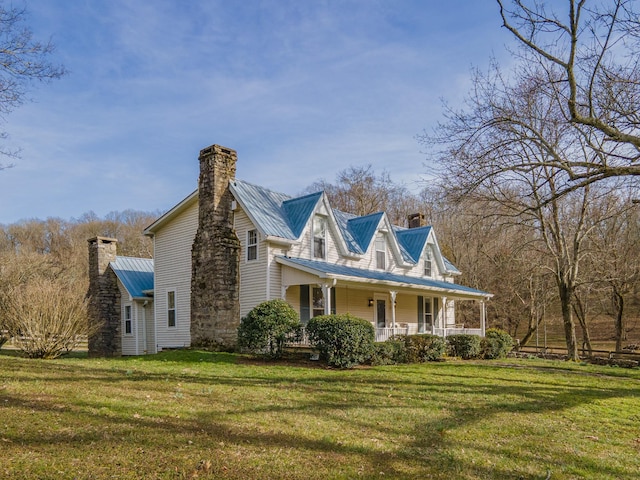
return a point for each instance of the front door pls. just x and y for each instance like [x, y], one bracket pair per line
[381, 313]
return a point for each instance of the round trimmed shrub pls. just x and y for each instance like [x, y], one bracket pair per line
[464, 346]
[267, 327]
[496, 344]
[343, 340]
[389, 352]
[425, 348]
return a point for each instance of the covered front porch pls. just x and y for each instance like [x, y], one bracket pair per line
[394, 304]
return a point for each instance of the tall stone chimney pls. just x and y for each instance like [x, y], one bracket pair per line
[104, 299]
[416, 220]
[215, 255]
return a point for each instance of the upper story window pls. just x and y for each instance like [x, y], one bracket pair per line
[427, 262]
[381, 253]
[171, 308]
[252, 245]
[319, 237]
[128, 327]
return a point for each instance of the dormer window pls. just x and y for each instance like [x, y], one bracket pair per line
[427, 262]
[381, 253]
[319, 237]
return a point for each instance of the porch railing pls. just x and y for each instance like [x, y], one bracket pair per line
[383, 334]
[445, 332]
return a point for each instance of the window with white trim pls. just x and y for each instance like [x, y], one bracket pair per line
[381, 253]
[318, 301]
[319, 237]
[252, 245]
[428, 312]
[171, 308]
[427, 262]
[128, 325]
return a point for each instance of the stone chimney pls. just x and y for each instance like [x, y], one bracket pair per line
[416, 220]
[215, 255]
[104, 299]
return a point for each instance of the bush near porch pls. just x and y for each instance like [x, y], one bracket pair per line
[343, 340]
[266, 328]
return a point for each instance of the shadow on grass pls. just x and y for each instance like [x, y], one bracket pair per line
[441, 399]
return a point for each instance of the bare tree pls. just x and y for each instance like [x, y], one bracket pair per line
[360, 191]
[23, 60]
[589, 53]
[507, 152]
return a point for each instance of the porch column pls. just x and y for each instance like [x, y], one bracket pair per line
[283, 292]
[326, 293]
[393, 294]
[483, 316]
[444, 313]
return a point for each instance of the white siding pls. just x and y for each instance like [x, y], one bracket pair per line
[150, 334]
[172, 252]
[128, 342]
[253, 287]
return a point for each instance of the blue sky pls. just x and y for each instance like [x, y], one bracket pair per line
[301, 89]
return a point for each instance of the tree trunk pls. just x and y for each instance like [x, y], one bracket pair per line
[566, 294]
[580, 311]
[618, 302]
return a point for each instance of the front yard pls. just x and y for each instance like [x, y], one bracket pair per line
[195, 414]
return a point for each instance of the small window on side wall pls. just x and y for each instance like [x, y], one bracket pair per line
[128, 327]
[171, 309]
[252, 245]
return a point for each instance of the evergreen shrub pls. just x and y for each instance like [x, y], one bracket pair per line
[464, 346]
[343, 340]
[496, 344]
[266, 328]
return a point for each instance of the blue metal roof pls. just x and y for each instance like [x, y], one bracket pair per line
[342, 219]
[265, 206]
[136, 274]
[324, 269]
[298, 211]
[279, 215]
[450, 266]
[413, 240]
[364, 228]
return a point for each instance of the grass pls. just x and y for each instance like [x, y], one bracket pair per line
[195, 414]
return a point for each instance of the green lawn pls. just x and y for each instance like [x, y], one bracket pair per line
[195, 414]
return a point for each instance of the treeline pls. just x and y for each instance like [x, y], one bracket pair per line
[499, 251]
[584, 244]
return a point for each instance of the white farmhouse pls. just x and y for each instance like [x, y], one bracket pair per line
[231, 245]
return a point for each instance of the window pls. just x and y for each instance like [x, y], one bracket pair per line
[318, 302]
[381, 253]
[252, 245]
[171, 309]
[128, 327]
[427, 262]
[428, 313]
[319, 237]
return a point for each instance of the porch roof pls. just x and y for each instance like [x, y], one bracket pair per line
[380, 277]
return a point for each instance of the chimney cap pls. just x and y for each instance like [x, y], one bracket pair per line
[215, 148]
